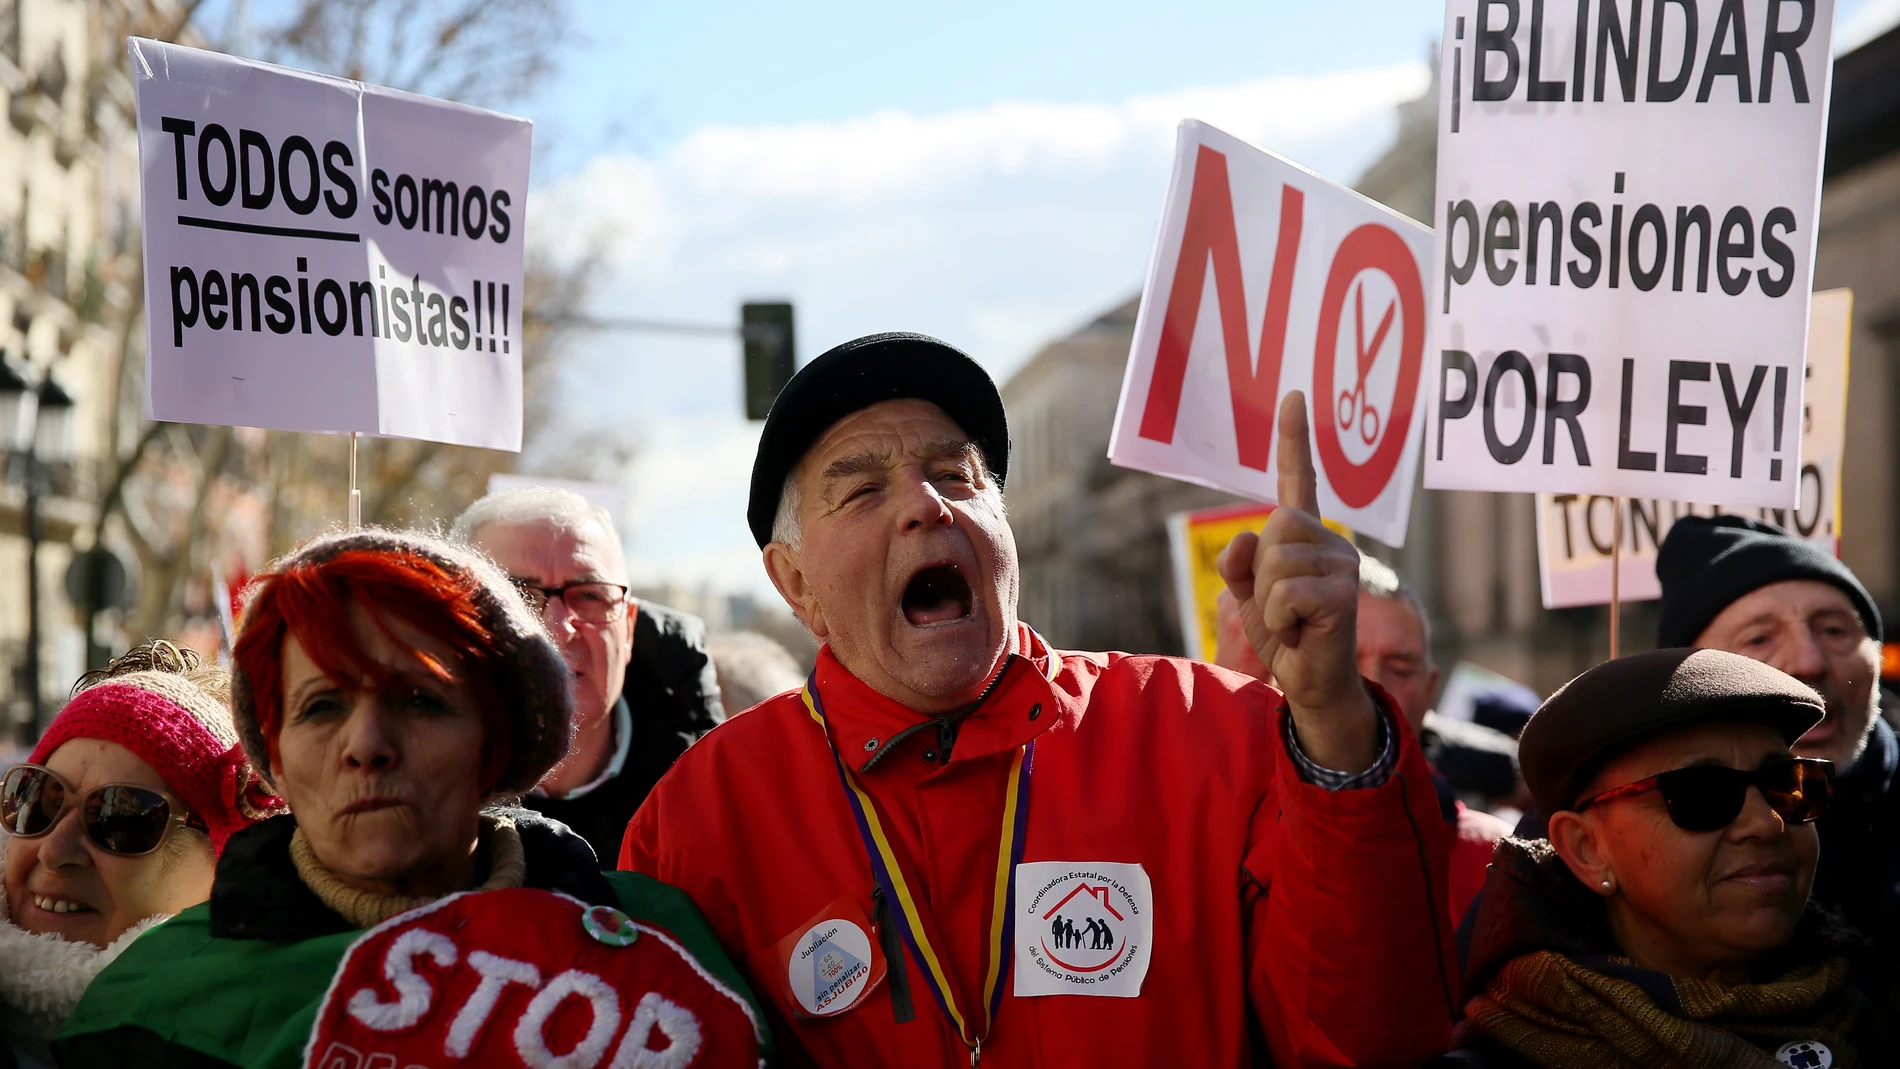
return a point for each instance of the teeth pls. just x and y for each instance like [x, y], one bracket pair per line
[56, 905]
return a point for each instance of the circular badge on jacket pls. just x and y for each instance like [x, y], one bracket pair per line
[532, 978]
[1806, 1054]
[831, 969]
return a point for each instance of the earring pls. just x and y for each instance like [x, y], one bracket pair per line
[1606, 885]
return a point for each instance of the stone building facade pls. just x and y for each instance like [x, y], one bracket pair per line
[68, 257]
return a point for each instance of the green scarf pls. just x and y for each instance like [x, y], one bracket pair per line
[1562, 1014]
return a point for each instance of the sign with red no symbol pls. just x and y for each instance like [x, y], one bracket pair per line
[1335, 283]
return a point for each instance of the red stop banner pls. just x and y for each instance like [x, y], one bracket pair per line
[529, 979]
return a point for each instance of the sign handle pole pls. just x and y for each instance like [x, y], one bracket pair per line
[356, 502]
[1616, 569]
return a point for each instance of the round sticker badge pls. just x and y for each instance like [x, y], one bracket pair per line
[1806, 1054]
[610, 926]
[831, 967]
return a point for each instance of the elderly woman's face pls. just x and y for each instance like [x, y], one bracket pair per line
[384, 780]
[62, 883]
[1696, 903]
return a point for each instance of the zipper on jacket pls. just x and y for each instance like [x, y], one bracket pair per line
[896, 966]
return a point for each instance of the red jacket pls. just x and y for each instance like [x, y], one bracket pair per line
[1322, 912]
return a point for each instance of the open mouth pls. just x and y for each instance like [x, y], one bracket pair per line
[60, 905]
[937, 595]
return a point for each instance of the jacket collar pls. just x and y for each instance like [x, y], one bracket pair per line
[257, 893]
[1019, 704]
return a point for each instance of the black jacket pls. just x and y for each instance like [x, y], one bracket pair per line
[673, 697]
[1859, 874]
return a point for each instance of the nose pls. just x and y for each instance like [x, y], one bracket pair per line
[65, 845]
[559, 619]
[1757, 820]
[1802, 657]
[924, 507]
[369, 739]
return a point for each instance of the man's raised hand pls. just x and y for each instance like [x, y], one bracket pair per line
[1297, 587]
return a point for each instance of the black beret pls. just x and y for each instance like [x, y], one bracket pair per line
[1605, 711]
[861, 373]
[1707, 562]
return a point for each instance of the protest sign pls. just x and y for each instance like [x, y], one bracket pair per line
[1195, 540]
[1626, 212]
[1335, 284]
[324, 255]
[1576, 532]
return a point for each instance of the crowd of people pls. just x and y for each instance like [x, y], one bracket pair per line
[460, 799]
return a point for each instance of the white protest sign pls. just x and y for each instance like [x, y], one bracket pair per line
[1332, 287]
[324, 255]
[1627, 201]
[1575, 532]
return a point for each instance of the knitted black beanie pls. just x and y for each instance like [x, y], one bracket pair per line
[1707, 562]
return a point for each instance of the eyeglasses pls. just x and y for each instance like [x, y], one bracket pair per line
[120, 818]
[1710, 797]
[595, 603]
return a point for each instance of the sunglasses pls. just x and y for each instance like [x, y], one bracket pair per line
[1710, 797]
[120, 818]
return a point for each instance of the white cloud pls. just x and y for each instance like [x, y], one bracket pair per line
[996, 228]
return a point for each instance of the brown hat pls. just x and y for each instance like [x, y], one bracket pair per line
[1615, 705]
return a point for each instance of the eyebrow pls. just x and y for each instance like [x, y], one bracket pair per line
[874, 460]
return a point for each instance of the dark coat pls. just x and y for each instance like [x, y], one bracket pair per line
[1859, 874]
[673, 697]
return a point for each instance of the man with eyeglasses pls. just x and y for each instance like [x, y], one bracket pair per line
[1736, 584]
[643, 684]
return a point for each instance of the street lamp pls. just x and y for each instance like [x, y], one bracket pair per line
[36, 427]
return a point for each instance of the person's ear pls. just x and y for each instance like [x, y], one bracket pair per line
[1580, 842]
[788, 576]
[1431, 683]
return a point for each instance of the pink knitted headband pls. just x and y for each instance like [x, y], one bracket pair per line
[214, 779]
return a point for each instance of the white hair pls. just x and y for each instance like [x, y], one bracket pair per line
[785, 525]
[564, 510]
[1379, 580]
[751, 668]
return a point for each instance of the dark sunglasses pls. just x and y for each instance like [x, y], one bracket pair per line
[1710, 797]
[119, 818]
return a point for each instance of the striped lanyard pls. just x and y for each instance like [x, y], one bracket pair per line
[909, 918]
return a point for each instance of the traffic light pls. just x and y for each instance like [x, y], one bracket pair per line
[766, 331]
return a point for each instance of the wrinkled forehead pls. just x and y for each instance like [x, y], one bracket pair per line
[1790, 599]
[886, 433]
[554, 551]
[85, 763]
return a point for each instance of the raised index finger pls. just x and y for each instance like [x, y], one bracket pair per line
[1299, 483]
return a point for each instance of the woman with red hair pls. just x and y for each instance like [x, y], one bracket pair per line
[402, 697]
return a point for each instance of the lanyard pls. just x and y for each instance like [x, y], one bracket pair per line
[890, 877]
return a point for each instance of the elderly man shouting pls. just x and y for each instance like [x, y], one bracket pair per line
[958, 846]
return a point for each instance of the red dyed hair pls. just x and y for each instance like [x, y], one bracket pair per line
[312, 602]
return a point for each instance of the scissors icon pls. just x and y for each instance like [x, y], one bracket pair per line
[1354, 406]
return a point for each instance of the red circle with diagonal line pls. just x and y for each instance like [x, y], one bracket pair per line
[1372, 247]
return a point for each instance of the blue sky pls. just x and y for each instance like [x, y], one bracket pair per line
[644, 76]
[987, 172]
